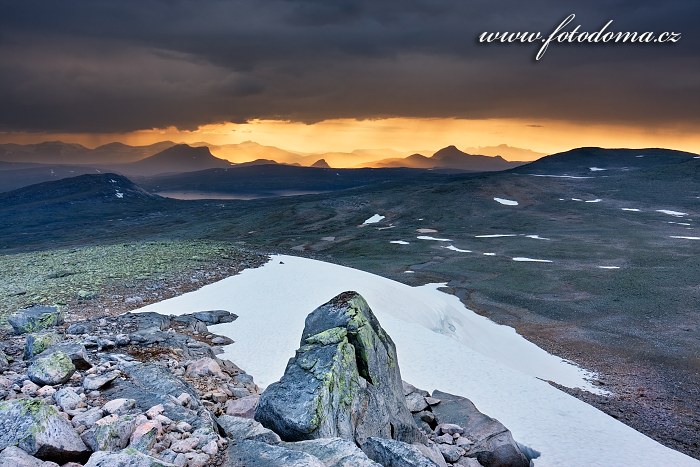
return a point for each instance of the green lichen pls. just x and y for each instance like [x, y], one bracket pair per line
[37, 343]
[328, 337]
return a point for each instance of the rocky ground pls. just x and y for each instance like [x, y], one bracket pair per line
[148, 390]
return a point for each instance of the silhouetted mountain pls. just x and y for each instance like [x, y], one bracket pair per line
[257, 162]
[507, 152]
[176, 159]
[593, 160]
[449, 158]
[107, 187]
[57, 152]
[321, 164]
[30, 174]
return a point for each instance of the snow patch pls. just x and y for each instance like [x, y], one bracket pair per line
[685, 238]
[426, 237]
[609, 267]
[596, 169]
[501, 372]
[426, 230]
[631, 209]
[507, 202]
[597, 200]
[489, 254]
[672, 213]
[409, 272]
[678, 223]
[399, 242]
[495, 235]
[119, 195]
[537, 237]
[530, 260]
[374, 219]
[454, 248]
[560, 176]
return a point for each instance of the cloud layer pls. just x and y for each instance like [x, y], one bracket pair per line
[106, 66]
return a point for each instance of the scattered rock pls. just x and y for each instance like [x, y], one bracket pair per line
[243, 407]
[416, 402]
[76, 352]
[205, 367]
[38, 342]
[66, 398]
[38, 429]
[95, 382]
[35, 318]
[450, 452]
[493, 443]
[12, 456]
[110, 433]
[238, 428]
[119, 406]
[215, 316]
[55, 368]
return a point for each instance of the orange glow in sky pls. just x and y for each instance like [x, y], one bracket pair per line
[405, 135]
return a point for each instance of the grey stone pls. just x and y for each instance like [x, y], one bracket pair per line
[410, 389]
[4, 362]
[221, 340]
[95, 382]
[249, 453]
[205, 367]
[67, 398]
[450, 452]
[39, 429]
[468, 462]
[119, 406]
[392, 453]
[334, 452]
[215, 316]
[51, 369]
[432, 400]
[75, 350]
[79, 328]
[243, 407]
[35, 318]
[110, 433]
[12, 456]
[343, 382]
[449, 428]
[125, 458]
[493, 443]
[416, 402]
[239, 428]
[35, 343]
[88, 418]
[444, 439]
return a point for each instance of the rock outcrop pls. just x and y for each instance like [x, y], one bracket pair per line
[344, 380]
[35, 318]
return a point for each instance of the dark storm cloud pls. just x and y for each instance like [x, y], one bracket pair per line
[104, 66]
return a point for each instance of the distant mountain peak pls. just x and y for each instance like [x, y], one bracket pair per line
[321, 164]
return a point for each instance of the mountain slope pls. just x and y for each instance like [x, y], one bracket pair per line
[591, 160]
[57, 152]
[176, 159]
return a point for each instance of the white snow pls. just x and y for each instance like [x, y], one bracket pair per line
[426, 230]
[609, 267]
[501, 372]
[409, 272]
[507, 202]
[678, 223]
[489, 254]
[119, 195]
[596, 169]
[374, 219]
[111, 180]
[426, 237]
[399, 242]
[597, 200]
[454, 248]
[559, 176]
[328, 239]
[631, 209]
[685, 238]
[530, 260]
[672, 213]
[576, 199]
[696, 157]
[640, 156]
[537, 237]
[495, 235]
[386, 228]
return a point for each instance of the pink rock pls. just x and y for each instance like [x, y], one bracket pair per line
[243, 407]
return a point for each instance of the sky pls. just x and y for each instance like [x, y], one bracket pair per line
[315, 75]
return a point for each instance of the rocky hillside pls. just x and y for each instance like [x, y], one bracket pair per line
[148, 390]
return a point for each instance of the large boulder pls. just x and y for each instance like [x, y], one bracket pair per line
[35, 318]
[39, 429]
[75, 350]
[12, 456]
[334, 452]
[51, 369]
[344, 380]
[239, 428]
[249, 453]
[493, 443]
[125, 458]
[110, 433]
[38, 342]
[392, 453]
